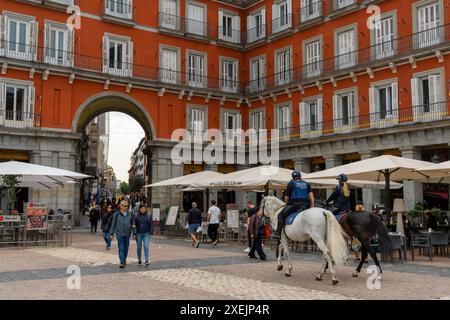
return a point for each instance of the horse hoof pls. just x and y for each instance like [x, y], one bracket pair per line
[287, 274]
[318, 278]
[335, 282]
[355, 274]
[280, 268]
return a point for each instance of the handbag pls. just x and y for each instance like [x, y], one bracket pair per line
[267, 231]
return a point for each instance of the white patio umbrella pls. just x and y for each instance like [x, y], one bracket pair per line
[203, 177]
[354, 184]
[37, 176]
[437, 173]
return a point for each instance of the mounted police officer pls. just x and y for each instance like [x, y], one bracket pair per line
[298, 197]
[341, 196]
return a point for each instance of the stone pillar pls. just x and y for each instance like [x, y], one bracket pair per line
[370, 196]
[243, 196]
[212, 193]
[302, 165]
[332, 161]
[412, 191]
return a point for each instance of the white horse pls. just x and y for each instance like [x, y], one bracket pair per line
[317, 224]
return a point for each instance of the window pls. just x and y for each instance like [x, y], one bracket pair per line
[16, 104]
[281, 16]
[169, 66]
[311, 118]
[118, 56]
[383, 105]
[313, 52]
[284, 120]
[229, 27]
[58, 45]
[346, 55]
[257, 120]
[229, 75]
[310, 9]
[119, 8]
[283, 67]
[345, 112]
[196, 70]
[256, 26]
[168, 15]
[21, 36]
[257, 74]
[384, 38]
[428, 21]
[197, 121]
[339, 4]
[231, 124]
[196, 19]
[428, 97]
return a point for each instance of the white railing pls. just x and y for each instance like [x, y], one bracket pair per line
[119, 8]
[384, 119]
[63, 2]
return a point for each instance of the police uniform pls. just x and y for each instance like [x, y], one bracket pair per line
[342, 203]
[298, 192]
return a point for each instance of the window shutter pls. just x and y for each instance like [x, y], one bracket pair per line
[34, 28]
[351, 112]
[220, 24]
[289, 13]
[30, 102]
[394, 87]
[189, 118]
[70, 46]
[336, 113]
[435, 92]
[239, 121]
[373, 106]
[319, 114]
[47, 39]
[129, 58]
[415, 97]
[250, 20]
[263, 23]
[224, 121]
[236, 32]
[105, 48]
[275, 16]
[303, 114]
[6, 30]
[235, 75]
[2, 96]
[2, 34]
[304, 11]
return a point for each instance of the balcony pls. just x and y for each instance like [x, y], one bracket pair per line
[383, 53]
[312, 11]
[119, 11]
[281, 24]
[228, 35]
[378, 120]
[256, 34]
[62, 3]
[19, 120]
[184, 27]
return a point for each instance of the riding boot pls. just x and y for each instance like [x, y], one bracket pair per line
[279, 229]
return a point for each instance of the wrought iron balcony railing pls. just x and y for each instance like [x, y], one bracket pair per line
[185, 26]
[19, 120]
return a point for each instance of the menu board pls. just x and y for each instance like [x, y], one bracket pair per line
[36, 216]
[156, 214]
[233, 219]
[172, 216]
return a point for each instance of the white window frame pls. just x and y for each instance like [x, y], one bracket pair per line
[195, 76]
[257, 84]
[167, 19]
[67, 50]
[168, 75]
[126, 64]
[31, 37]
[390, 117]
[384, 45]
[349, 122]
[346, 57]
[196, 26]
[340, 4]
[312, 65]
[281, 22]
[283, 119]
[256, 31]
[430, 33]
[26, 118]
[308, 129]
[235, 132]
[257, 119]
[197, 127]
[229, 83]
[119, 8]
[310, 9]
[235, 27]
[283, 72]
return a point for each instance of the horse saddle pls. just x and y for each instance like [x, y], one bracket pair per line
[290, 218]
[341, 215]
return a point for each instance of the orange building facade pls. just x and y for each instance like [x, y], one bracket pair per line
[341, 79]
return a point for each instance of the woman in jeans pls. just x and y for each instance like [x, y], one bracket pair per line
[143, 222]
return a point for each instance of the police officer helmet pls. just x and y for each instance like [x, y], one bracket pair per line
[296, 174]
[342, 178]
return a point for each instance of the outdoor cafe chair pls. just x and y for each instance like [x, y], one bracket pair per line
[421, 240]
[439, 241]
[398, 244]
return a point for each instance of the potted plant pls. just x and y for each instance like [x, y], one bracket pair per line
[417, 214]
[10, 183]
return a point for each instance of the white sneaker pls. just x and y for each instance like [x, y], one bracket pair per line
[247, 250]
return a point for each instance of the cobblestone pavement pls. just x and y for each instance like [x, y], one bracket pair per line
[178, 271]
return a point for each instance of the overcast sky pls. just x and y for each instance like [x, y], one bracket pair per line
[125, 134]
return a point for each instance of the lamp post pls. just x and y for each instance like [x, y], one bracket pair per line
[399, 207]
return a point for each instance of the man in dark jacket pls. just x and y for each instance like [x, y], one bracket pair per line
[106, 225]
[194, 220]
[123, 225]
[256, 231]
[94, 217]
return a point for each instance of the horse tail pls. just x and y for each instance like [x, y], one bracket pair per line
[380, 229]
[336, 242]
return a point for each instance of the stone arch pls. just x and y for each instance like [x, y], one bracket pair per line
[113, 101]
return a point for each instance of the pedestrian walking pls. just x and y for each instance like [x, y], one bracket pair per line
[213, 220]
[106, 225]
[123, 225]
[194, 220]
[143, 221]
[256, 229]
[251, 210]
[94, 217]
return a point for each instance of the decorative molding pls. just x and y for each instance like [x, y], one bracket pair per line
[129, 87]
[71, 78]
[288, 92]
[32, 72]
[413, 62]
[319, 85]
[189, 97]
[208, 97]
[393, 67]
[274, 97]
[45, 75]
[161, 92]
[370, 73]
[354, 77]
[262, 99]
[222, 101]
[107, 83]
[301, 89]
[333, 81]
[4, 68]
[439, 56]
[181, 94]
